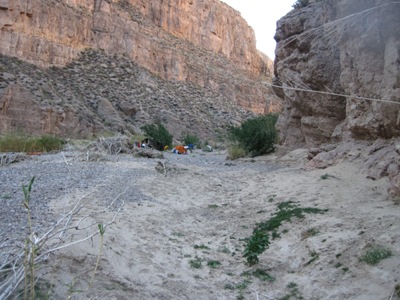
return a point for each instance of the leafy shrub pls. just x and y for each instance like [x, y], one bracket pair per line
[50, 143]
[158, 134]
[24, 143]
[196, 263]
[256, 245]
[213, 264]
[191, 139]
[263, 275]
[256, 136]
[235, 152]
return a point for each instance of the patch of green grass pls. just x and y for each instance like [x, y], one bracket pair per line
[375, 254]
[196, 263]
[314, 257]
[235, 152]
[224, 250]
[285, 212]
[213, 264]
[201, 247]
[294, 292]
[259, 241]
[25, 143]
[229, 286]
[397, 290]
[213, 206]
[243, 284]
[309, 233]
[256, 245]
[263, 275]
[275, 235]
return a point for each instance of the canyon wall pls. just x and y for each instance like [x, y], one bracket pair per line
[204, 43]
[349, 51]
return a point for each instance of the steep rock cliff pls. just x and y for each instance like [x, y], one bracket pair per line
[348, 53]
[344, 47]
[201, 43]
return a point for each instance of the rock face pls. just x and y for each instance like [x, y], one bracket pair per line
[348, 51]
[339, 47]
[202, 43]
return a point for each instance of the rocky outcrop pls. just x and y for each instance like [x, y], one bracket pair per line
[203, 44]
[349, 51]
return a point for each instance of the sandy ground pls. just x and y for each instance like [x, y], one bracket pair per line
[202, 213]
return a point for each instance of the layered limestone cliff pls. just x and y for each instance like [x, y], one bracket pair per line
[202, 43]
[348, 53]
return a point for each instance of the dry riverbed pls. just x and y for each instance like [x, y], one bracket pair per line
[180, 233]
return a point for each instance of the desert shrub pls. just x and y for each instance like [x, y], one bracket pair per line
[255, 246]
[257, 136]
[158, 134]
[49, 143]
[235, 152]
[191, 139]
[24, 143]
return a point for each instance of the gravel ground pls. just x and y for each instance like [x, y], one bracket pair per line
[61, 173]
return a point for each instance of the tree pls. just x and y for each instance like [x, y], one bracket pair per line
[257, 136]
[159, 135]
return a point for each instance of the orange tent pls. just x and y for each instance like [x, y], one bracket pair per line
[180, 149]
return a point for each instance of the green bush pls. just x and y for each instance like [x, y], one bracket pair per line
[159, 135]
[191, 139]
[255, 246]
[49, 143]
[24, 143]
[257, 136]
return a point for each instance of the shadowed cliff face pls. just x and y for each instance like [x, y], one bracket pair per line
[350, 51]
[339, 47]
[202, 43]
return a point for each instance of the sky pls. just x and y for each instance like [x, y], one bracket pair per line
[262, 15]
